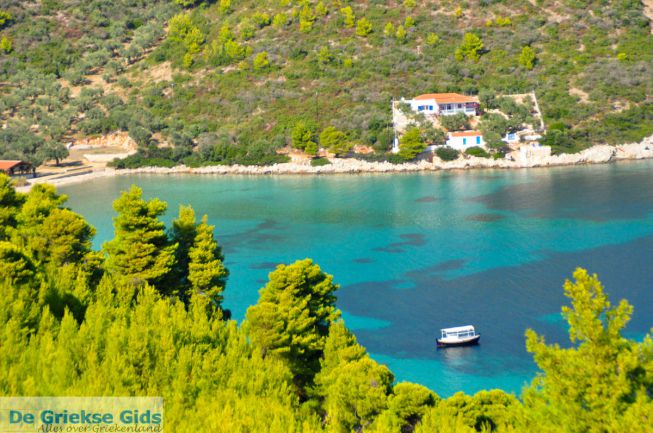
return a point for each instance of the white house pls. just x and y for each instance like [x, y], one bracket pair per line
[444, 104]
[463, 140]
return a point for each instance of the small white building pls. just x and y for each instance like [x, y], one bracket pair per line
[444, 104]
[511, 138]
[463, 140]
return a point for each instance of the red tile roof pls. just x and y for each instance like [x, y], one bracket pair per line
[9, 164]
[465, 134]
[447, 98]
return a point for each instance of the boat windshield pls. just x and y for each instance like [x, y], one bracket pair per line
[465, 333]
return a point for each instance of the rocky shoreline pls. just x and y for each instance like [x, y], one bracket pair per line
[595, 155]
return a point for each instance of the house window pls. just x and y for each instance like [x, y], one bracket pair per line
[430, 107]
[464, 141]
[478, 140]
[421, 108]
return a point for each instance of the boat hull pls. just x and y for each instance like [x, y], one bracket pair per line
[465, 342]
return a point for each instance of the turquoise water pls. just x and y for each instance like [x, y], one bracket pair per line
[417, 252]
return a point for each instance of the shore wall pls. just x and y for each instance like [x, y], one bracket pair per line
[594, 155]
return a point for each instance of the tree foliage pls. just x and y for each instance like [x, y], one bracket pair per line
[527, 58]
[6, 46]
[206, 271]
[335, 141]
[303, 136]
[411, 144]
[348, 16]
[261, 61]
[291, 320]
[604, 381]
[292, 366]
[363, 27]
[141, 251]
[5, 18]
[455, 122]
[470, 48]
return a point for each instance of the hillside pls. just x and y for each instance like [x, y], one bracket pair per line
[229, 81]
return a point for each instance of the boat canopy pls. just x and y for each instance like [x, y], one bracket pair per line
[459, 331]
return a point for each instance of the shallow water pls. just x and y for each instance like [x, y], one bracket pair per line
[417, 252]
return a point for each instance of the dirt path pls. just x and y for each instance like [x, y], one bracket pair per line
[648, 11]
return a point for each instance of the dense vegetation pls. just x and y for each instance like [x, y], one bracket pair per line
[144, 316]
[232, 81]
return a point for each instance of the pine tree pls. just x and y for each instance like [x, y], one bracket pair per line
[340, 347]
[335, 140]
[600, 383]
[302, 135]
[183, 232]
[206, 270]
[353, 387]
[15, 267]
[66, 237]
[261, 61]
[348, 16]
[527, 58]
[40, 202]
[321, 10]
[10, 202]
[389, 29]
[411, 144]
[401, 34]
[409, 22]
[291, 319]
[6, 46]
[432, 39]
[140, 251]
[470, 48]
[306, 19]
[363, 27]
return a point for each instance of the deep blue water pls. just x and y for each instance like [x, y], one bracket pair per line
[417, 252]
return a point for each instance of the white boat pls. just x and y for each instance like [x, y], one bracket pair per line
[458, 336]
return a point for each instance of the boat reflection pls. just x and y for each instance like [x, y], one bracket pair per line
[457, 356]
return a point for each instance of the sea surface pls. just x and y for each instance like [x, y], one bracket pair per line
[414, 253]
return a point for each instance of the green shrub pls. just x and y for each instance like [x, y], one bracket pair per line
[447, 153]
[5, 18]
[395, 158]
[477, 151]
[136, 161]
[363, 27]
[318, 162]
[6, 46]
